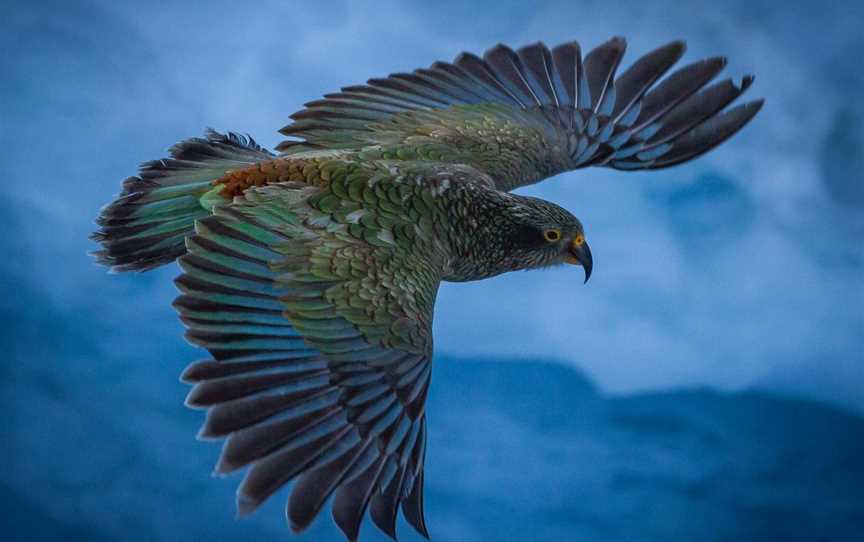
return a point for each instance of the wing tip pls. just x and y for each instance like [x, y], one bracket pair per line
[757, 104]
[619, 42]
[678, 45]
[742, 115]
[244, 504]
[499, 45]
[297, 526]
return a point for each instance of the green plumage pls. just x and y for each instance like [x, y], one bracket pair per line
[310, 277]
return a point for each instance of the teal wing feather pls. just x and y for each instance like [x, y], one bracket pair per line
[320, 334]
[523, 115]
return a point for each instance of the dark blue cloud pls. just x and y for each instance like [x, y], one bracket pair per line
[710, 214]
[841, 159]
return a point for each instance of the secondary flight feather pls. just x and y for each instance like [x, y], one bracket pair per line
[310, 276]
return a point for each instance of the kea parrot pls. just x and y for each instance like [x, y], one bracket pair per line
[310, 275]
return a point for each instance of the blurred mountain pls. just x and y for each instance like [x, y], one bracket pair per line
[532, 461]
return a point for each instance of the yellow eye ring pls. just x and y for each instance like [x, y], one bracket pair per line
[579, 240]
[552, 236]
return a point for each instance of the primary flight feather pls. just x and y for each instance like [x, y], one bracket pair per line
[310, 276]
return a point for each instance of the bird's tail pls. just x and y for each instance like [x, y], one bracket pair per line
[146, 226]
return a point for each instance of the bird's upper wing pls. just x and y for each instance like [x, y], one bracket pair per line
[320, 331]
[524, 115]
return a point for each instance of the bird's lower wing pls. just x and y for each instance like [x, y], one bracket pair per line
[521, 116]
[320, 359]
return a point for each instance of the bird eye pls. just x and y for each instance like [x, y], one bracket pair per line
[579, 240]
[552, 235]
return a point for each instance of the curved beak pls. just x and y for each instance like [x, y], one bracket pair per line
[581, 255]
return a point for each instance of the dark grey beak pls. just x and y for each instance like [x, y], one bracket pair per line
[581, 254]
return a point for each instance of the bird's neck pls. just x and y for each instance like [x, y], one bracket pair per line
[478, 248]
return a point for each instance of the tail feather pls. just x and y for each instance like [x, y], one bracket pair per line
[146, 226]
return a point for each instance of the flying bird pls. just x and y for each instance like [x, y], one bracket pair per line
[310, 275]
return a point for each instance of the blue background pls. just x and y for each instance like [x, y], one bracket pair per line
[706, 384]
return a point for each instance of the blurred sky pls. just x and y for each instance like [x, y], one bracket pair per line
[741, 269]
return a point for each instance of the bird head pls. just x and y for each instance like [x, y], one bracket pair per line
[542, 234]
